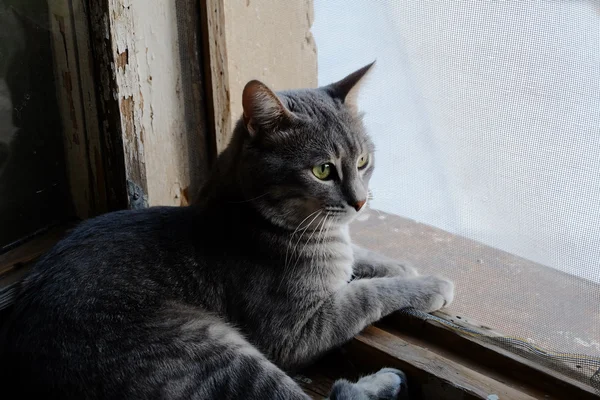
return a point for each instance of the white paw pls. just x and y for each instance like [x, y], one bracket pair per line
[385, 384]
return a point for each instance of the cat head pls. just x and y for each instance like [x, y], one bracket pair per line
[306, 158]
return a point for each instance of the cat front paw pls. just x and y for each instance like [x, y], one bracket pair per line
[433, 293]
[405, 271]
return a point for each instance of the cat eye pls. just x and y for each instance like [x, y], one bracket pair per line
[362, 161]
[322, 171]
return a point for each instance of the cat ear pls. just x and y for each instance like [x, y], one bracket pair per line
[262, 108]
[347, 89]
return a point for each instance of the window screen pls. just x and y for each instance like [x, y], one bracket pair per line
[486, 116]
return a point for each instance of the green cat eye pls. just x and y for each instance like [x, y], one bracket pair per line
[363, 161]
[322, 171]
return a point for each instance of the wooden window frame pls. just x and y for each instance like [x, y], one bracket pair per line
[108, 133]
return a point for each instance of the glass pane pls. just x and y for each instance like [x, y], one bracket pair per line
[33, 187]
[486, 116]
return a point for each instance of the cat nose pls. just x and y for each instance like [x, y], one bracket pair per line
[359, 204]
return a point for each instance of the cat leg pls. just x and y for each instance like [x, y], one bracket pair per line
[345, 313]
[195, 355]
[369, 264]
[387, 384]
[201, 357]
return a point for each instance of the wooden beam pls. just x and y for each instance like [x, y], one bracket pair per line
[32, 249]
[486, 351]
[433, 375]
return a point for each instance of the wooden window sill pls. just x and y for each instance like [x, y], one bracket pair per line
[514, 296]
[438, 370]
[15, 263]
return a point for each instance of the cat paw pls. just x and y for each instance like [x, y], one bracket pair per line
[386, 384]
[434, 293]
[405, 271]
[394, 269]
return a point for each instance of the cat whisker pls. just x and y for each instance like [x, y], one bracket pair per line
[315, 253]
[293, 233]
[388, 194]
[377, 211]
[323, 238]
[249, 200]
[321, 223]
[302, 234]
[326, 232]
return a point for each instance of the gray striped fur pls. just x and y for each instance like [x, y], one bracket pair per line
[217, 299]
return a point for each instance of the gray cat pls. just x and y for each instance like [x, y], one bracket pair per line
[214, 300]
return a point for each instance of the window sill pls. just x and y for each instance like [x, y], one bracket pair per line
[15, 263]
[445, 362]
[441, 365]
[493, 287]
[516, 296]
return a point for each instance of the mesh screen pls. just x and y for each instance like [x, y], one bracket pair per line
[486, 116]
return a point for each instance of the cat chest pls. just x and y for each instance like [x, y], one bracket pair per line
[335, 264]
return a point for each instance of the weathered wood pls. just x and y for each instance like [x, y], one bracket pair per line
[31, 250]
[109, 113]
[96, 156]
[152, 77]
[436, 376]
[195, 88]
[485, 352]
[16, 263]
[77, 101]
[216, 71]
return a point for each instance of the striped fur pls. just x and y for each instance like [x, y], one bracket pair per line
[217, 299]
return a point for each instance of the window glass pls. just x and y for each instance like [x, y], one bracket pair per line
[33, 186]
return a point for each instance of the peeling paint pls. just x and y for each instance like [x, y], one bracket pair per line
[150, 91]
[123, 59]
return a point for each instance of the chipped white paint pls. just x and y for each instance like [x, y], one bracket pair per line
[493, 397]
[146, 49]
